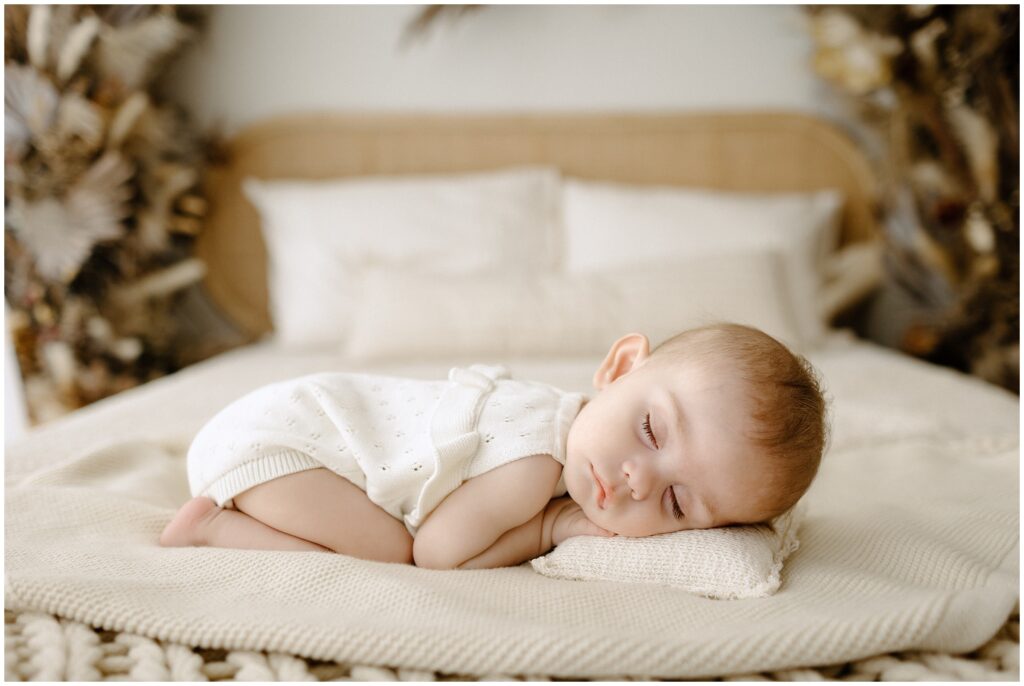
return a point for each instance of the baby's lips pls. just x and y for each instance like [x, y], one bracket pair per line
[603, 492]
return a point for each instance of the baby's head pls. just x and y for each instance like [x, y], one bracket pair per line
[717, 425]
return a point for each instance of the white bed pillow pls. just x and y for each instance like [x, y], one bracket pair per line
[410, 315]
[317, 232]
[615, 225]
[726, 563]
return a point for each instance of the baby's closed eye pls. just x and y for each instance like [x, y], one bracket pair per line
[677, 511]
[649, 431]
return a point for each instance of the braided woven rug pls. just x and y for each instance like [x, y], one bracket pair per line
[42, 647]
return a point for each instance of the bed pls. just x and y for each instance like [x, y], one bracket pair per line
[908, 563]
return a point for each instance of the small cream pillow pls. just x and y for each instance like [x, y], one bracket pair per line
[611, 225]
[726, 563]
[404, 314]
[317, 233]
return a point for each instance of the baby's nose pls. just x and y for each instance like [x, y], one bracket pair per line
[637, 481]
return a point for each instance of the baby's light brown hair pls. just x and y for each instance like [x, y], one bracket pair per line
[790, 415]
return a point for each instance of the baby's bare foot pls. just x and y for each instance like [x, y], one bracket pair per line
[186, 528]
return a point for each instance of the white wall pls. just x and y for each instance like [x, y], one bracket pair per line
[257, 61]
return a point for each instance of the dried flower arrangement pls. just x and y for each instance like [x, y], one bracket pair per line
[102, 200]
[939, 86]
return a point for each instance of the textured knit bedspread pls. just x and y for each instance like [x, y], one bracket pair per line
[910, 543]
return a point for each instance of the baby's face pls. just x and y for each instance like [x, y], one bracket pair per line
[663, 447]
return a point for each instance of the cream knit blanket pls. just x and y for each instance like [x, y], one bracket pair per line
[41, 647]
[911, 542]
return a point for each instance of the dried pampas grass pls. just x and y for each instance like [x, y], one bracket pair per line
[939, 85]
[98, 178]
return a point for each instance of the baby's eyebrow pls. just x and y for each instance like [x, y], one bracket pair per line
[677, 409]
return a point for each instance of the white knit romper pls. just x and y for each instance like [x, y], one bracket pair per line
[407, 443]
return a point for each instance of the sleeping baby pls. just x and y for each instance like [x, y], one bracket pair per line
[718, 425]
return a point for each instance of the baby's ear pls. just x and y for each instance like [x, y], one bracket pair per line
[626, 354]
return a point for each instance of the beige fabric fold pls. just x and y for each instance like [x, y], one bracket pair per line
[910, 542]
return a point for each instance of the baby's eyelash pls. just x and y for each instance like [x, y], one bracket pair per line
[676, 510]
[647, 430]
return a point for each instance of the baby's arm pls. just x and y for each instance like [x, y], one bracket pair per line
[561, 519]
[500, 518]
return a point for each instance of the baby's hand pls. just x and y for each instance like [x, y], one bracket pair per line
[570, 521]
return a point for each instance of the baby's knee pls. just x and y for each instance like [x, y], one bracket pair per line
[401, 551]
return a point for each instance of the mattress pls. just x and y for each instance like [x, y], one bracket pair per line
[911, 542]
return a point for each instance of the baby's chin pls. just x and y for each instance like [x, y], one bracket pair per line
[578, 499]
[589, 508]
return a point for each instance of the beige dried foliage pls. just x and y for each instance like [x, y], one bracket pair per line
[60, 233]
[858, 60]
[89, 206]
[75, 46]
[127, 55]
[30, 109]
[80, 119]
[951, 127]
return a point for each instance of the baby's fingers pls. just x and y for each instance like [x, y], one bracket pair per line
[571, 521]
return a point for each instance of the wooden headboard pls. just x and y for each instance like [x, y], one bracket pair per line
[729, 151]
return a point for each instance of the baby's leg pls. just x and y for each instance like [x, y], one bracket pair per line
[324, 508]
[310, 510]
[200, 522]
